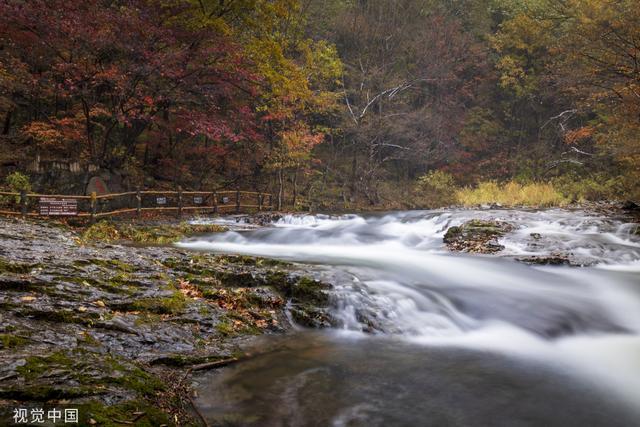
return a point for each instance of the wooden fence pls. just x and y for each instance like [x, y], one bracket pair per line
[96, 206]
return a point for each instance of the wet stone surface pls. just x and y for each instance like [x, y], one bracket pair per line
[477, 236]
[104, 323]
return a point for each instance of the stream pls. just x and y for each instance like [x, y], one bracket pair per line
[434, 338]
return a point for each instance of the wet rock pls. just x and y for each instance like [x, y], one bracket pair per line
[311, 316]
[546, 260]
[476, 236]
[121, 316]
[261, 219]
[536, 236]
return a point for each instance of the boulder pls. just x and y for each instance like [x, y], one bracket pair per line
[477, 236]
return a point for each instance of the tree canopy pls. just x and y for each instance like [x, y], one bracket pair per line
[350, 100]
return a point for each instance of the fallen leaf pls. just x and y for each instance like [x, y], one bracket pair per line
[28, 298]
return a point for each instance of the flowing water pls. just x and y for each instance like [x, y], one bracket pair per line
[432, 338]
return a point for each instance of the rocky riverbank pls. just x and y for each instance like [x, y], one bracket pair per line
[118, 328]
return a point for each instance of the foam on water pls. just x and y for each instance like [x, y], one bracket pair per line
[403, 282]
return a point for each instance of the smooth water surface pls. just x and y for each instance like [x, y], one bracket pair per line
[428, 337]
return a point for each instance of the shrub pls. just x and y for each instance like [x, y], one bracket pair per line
[437, 189]
[17, 182]
[511, 194]
[599, 187]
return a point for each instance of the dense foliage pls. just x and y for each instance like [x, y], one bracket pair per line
[333, 103]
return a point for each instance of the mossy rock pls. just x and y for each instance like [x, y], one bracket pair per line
[180, 360]
[174, 304]
[137, 412]
[310, 316]
[477, 236]
[107, 231]
[45, 393]
[15, 267]
[89, 372]
[12, 341]
[250, 261]
[107, 264]
[545, 260]
[61, 316]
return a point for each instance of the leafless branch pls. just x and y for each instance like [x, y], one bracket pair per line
[559, 116]
[384, 144]
[576, 150]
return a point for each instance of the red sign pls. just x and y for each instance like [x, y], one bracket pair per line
[58, 207]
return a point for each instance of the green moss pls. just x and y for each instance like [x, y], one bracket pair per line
[180, 360]
[136, 379]
[174, 304]
[310, 316]
[77, 280]
[44, 393]
[113, 415]
[452, 233]
[310, 290]
[89, 372]
[16, 268]
[233, 324]
[62, 316]
[89, 340]
[109, 264]
[105, 231]
[250, 261]
[303, 289]
[35, 366]
[225, 328]
[12, 341]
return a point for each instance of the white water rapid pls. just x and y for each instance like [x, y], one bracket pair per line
[399, 280]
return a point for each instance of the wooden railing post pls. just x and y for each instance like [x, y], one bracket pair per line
[92, 220]
[237, 201]
[259, 202]
[23, 203]
[138, 202]
[179, 202]
[215, 202]
[270, 202]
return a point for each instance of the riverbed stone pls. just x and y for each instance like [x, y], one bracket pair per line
[476, 236]
[97, 322]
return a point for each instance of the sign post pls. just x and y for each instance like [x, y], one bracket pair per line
[56, 206]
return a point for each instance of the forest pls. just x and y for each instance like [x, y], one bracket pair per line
[364, 213]
[333, 104]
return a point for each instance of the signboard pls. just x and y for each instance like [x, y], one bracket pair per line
[197, 200]
[161, 200]
[55, 206]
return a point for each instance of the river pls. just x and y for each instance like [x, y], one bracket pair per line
[429, 337]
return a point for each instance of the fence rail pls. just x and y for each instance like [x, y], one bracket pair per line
[95, 206]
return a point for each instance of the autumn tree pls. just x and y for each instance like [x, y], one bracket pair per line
[410, 71]
[583, 56]
[117, 83]
[298, 76]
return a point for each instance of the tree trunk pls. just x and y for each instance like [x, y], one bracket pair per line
[280, 188]
[295, 187]
[7, 123]
[90, 142]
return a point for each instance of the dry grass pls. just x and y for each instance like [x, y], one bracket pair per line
[511, 194]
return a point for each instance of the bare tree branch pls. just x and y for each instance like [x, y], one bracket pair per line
[559, 116]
